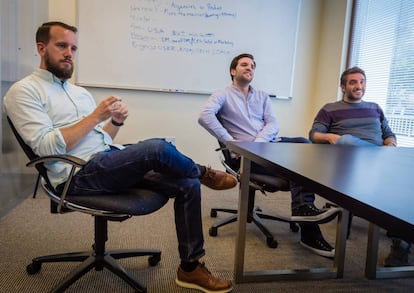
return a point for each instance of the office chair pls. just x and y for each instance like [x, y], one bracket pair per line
[258, 182]
[329, 205]
[106, 207]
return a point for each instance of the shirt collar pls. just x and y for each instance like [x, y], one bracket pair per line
[251, 89]
[47, 76]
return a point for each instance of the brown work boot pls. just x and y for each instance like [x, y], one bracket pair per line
[218, 180]
[201, 279]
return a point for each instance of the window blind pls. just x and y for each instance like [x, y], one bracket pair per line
[382, 43]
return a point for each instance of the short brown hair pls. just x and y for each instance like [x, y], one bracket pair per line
[351, 70]
[236, 59]
[43, 32]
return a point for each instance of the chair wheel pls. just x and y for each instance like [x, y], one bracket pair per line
[212, 231]
[294, 227]
[272, 243]
[154, 260]
[213, 214]
[33, 268]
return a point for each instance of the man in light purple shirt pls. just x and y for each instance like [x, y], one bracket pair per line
[242, 113]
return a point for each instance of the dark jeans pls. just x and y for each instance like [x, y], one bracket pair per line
[175, 174]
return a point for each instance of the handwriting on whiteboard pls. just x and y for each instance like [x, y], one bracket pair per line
[155, 25]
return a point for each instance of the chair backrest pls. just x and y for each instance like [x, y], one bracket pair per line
[260, 182]
[30, 154]
[227, 160]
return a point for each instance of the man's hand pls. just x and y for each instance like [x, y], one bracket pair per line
[119, 111]
[390, 141]
[330, 138]
[111, 107]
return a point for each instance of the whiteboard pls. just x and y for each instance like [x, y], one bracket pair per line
[185, 46]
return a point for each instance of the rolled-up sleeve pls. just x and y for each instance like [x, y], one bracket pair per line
[208, 118]
[25, 107]
[320, 124]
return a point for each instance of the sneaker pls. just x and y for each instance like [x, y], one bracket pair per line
[201, 279]
[218, 180]
[319, 246]
[399, 254]
[310, 213]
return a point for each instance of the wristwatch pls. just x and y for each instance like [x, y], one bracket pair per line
[116, 123]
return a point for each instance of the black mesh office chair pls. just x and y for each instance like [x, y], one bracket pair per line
[103, 208]
[258, 182]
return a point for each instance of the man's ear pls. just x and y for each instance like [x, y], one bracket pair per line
[41, 48]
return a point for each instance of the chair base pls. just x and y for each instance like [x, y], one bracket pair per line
[255, 216]
[98, 262]
[98, 259]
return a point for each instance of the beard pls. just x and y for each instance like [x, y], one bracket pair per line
[59, 72]
[244, 80]
[355, 97]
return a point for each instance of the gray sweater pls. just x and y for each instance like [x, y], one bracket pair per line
[365, 120]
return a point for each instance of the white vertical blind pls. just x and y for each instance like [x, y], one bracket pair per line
[382, 43]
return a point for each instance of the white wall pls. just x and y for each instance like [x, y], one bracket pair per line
[318, 65]
[332, 52]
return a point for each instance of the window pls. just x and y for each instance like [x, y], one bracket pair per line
[382, 43]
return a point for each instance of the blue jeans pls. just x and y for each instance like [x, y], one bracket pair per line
[175, 174]
[348, 139]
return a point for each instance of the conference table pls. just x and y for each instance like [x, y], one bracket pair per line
[374, 183]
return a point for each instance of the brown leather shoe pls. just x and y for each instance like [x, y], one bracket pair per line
[201, 279]
[218, 180]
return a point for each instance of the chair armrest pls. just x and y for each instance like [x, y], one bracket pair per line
[75, 162]
[72, 160]
[224, 159]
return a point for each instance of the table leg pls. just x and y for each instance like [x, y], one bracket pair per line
[371, 269]
[341, 237]
[372, 252]
[242, 220]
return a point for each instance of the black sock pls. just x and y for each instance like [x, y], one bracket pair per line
[188, 266]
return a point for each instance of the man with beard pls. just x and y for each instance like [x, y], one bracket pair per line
[54, 116]
[243, 113]
[352, 121]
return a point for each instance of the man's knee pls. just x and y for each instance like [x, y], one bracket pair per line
[154, 145]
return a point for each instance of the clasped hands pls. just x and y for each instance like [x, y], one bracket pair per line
[112, 107]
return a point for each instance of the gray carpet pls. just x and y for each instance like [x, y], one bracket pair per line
[29, 230]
